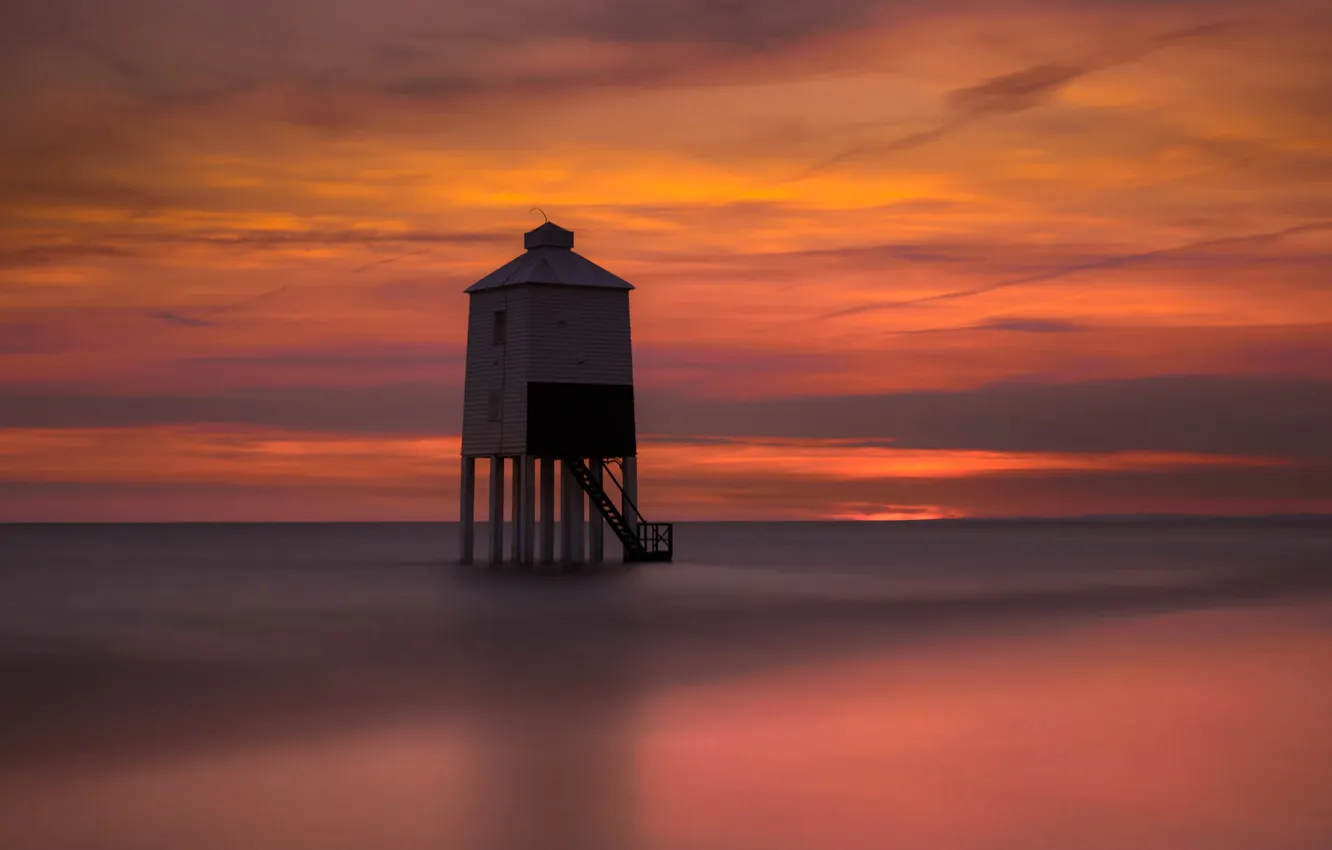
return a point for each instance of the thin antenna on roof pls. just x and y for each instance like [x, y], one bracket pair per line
[543, 213]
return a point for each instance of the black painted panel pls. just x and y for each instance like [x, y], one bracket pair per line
[580, 420]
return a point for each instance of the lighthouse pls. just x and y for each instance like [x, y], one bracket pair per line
[548, 402]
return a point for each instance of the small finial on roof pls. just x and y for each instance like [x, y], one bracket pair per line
[548, 235]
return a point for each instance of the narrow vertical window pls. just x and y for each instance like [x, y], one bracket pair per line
[494, 406]
[501, 327]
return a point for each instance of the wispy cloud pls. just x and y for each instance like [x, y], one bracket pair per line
[276, 237]
[40, 255]
[1121, 261]
[24, 338]
[1014, 92]
[1029, 325]
[387, 261]
[183, 320]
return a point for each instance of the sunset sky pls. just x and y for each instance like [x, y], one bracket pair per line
[893, 259]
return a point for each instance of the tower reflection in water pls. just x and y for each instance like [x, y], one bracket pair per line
[550, 711]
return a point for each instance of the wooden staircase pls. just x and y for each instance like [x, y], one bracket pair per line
[643, 541]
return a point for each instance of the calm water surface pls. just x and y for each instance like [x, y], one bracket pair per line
[934, 686]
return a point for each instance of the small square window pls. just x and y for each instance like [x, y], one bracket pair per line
[501, 327]
[494, 406]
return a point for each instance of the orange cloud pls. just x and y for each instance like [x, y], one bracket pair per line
[814, 478]
[813, 200]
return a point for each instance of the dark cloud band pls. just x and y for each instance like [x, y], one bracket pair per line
[1197, 414]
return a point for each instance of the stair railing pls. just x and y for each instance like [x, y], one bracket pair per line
[643, 541]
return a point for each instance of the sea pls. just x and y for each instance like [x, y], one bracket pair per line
[1126, 684]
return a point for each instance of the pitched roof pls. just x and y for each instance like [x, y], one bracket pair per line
[548, 235]
[549, 259]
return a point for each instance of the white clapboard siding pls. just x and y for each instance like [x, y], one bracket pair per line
[514, 426]
[495, 368]
[485, 371]
[567, 322]
[579, 335]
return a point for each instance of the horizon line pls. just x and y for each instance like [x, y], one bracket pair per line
[955, 520]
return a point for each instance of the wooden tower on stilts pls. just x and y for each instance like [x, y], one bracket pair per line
[550, 385]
